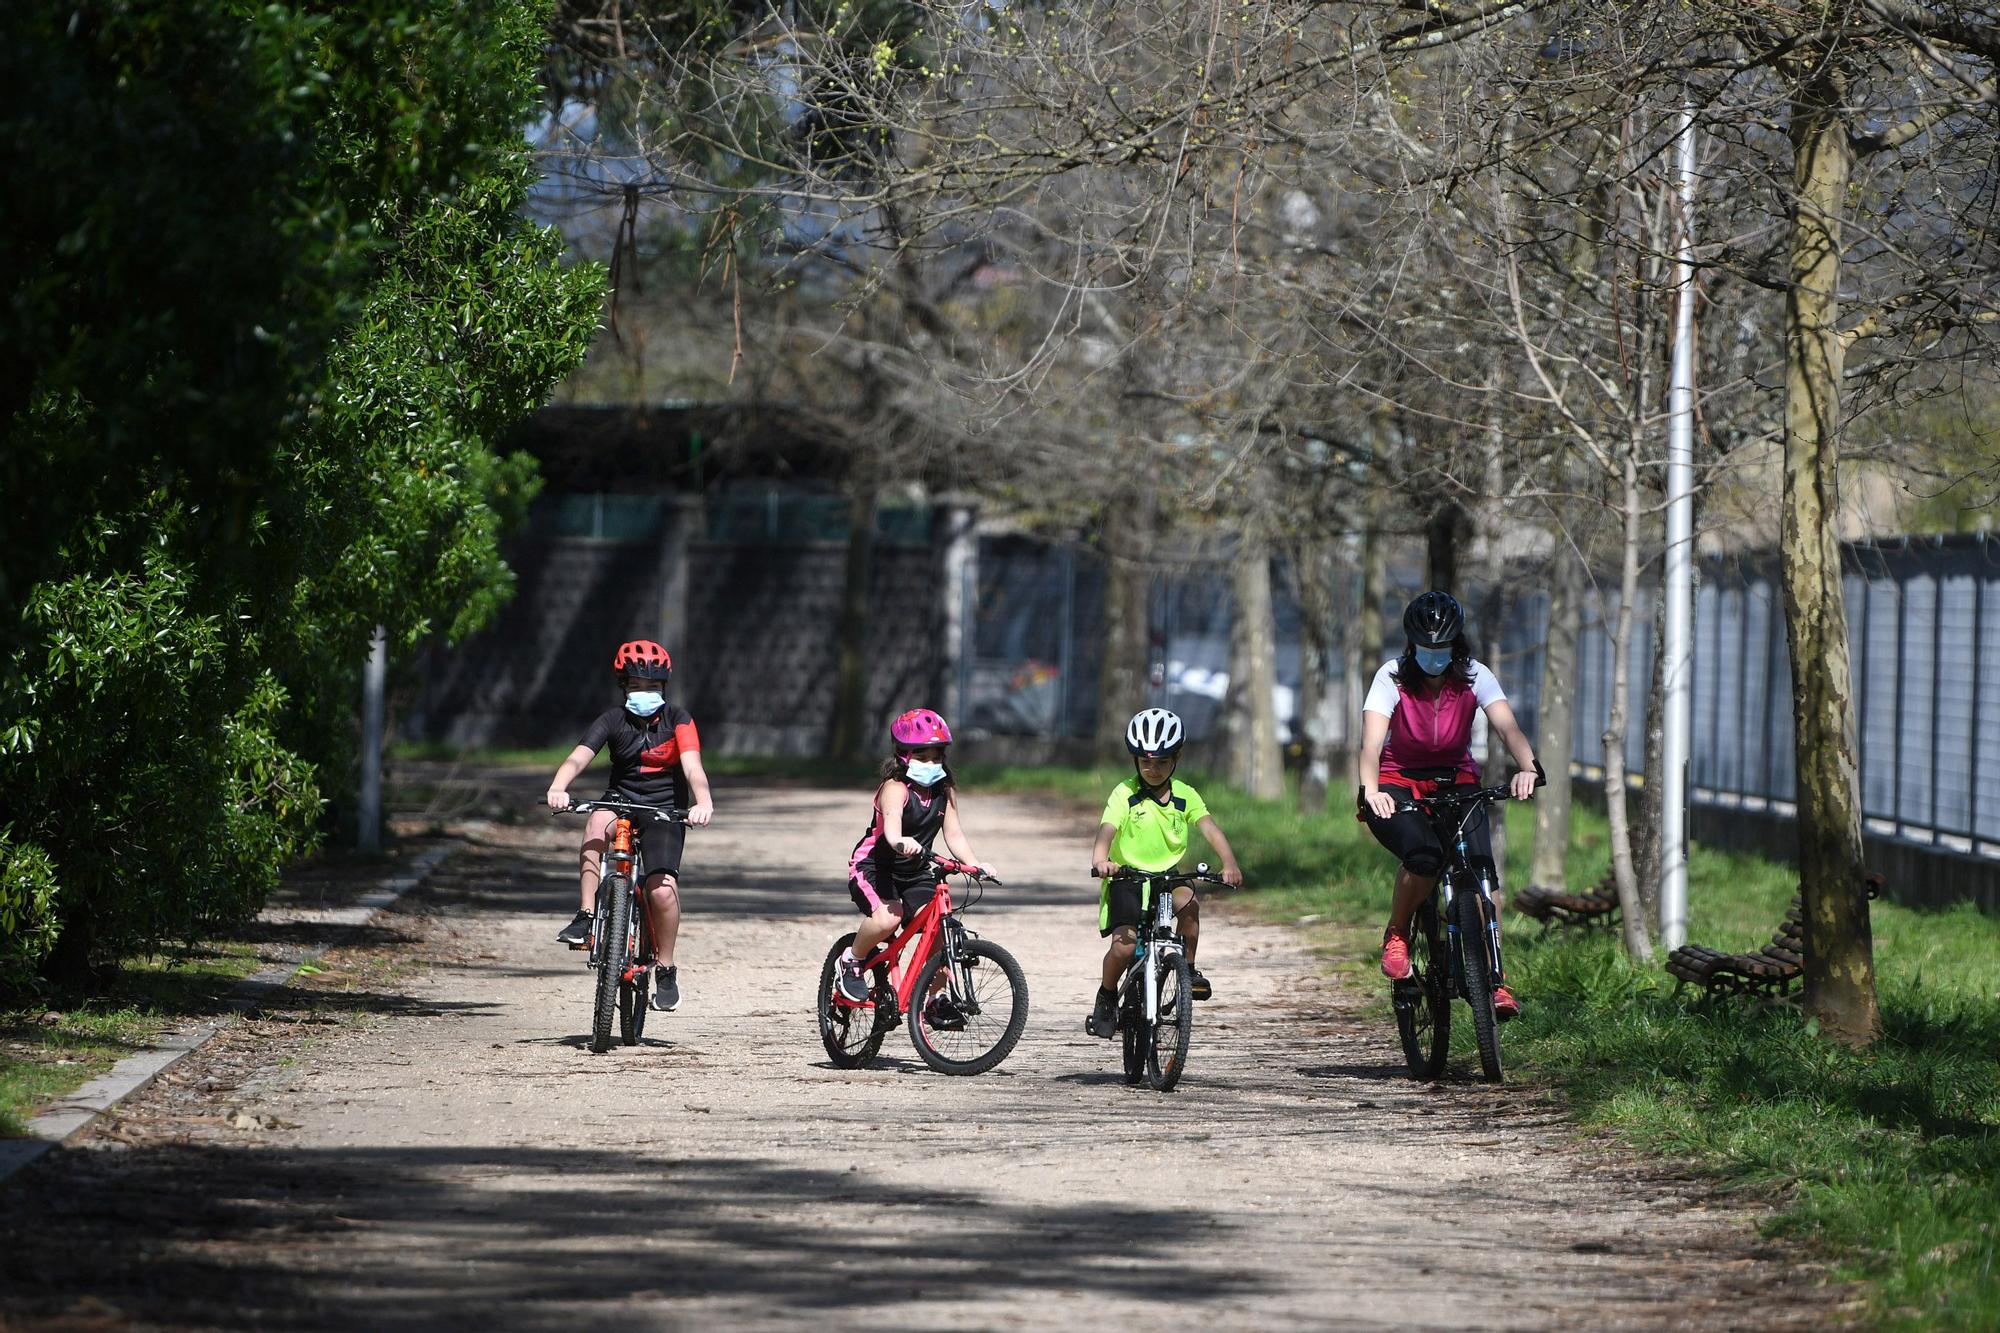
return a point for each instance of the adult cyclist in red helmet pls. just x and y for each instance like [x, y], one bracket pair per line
[915, 801]
[1416, 736]
[655, 760]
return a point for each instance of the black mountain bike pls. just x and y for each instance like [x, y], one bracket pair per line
[621, 936]
[1454, 941]
[1156, 991]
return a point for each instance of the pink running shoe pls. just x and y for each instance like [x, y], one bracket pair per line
[1505, 1006]
[1395, 956]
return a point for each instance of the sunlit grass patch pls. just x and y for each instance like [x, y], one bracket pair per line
[48, 1050]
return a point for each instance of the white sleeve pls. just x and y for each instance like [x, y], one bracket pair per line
[1382, 691]
[1485, 686]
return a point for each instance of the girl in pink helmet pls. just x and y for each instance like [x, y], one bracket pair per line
[914, 802]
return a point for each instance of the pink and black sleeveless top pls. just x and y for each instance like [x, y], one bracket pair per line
[923, 817]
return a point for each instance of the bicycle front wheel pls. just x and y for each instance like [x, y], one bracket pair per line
[850, 1032]
[614, 953]
[976, 1016]
[1166, 1052]
[1423, 1000]
[1132, 1025]
[1468, 914]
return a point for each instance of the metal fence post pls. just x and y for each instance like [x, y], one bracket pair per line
[373, 676]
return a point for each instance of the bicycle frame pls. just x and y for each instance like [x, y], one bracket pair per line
[924, 931]
[1461, 875]
[1158, 939]
[623, 857]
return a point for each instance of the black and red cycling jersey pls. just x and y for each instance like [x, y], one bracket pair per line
[646, 753]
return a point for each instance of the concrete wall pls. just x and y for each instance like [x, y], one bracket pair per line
[751, 628]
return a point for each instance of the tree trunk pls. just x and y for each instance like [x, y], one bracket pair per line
[1553, 739]
[1646, 846]
[1315, 575]
[1497, 602]
[1638, 930]
[848, 736]
[1121, 681]
[1839, 953]
[1361, 635]
[1442, 537]
[1254, 762]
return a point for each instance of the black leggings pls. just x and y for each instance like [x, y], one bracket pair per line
[1410, 837]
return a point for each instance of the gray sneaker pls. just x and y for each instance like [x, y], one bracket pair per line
[847, 979]
[666, 989]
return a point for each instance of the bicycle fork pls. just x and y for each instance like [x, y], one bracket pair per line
[1483, 886]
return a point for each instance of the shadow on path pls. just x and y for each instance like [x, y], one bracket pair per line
[272, 1236]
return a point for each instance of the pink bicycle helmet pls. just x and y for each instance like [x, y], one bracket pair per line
[919, 727]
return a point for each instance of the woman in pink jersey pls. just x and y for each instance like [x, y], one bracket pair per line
[1416, 736]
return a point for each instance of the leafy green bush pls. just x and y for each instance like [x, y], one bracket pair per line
[270, 301]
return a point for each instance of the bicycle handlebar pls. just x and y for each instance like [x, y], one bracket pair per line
[944, 865]
[1200, 875]
[666, 814]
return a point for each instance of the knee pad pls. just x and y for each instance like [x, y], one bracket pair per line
[1424, 863]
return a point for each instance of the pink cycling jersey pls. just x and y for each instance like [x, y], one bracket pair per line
[1433, 732]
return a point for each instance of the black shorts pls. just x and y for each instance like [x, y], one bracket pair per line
[1410, 838]
[1126, 902]
[660, 843]
[867, 889]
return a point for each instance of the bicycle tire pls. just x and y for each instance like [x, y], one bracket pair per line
[632, 1007]
[1478, 972]
[1175, 1026]
[611, 960]
[975, 1000]
[1423, 1013]
[1132, 1025]
[850, 1034]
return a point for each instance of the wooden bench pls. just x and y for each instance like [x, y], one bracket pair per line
[1770, 971]
[1559, 907]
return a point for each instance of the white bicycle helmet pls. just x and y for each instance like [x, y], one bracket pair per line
[1154, 733]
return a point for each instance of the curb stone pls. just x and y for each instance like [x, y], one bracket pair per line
[73, 1114]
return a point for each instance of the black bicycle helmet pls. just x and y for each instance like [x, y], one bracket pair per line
[1434, 620]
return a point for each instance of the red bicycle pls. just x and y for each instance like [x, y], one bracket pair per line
[965, 999]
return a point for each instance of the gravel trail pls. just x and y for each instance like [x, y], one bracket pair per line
[417, 1138]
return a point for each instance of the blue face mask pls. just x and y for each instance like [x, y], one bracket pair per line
[924, 775]
[645, 703]
[1433, 661]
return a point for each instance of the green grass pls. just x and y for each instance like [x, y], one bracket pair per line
[1887, 1159]
[47, 1052]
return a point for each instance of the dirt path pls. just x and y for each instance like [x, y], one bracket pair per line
[418, 1140]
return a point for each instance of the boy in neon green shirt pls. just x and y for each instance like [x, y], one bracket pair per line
[1145, 827]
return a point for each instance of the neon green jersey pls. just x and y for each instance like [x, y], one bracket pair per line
[1151, 836]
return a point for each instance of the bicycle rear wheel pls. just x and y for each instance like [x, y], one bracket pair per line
[987, 994]
[1423, 1000]
[613, 953]
[850, 1032]
[1166, 1053]
[1469, 915]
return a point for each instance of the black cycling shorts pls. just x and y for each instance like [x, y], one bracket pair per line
[1121, 902]
[660, 843]
[1409, 836]
[865, 887]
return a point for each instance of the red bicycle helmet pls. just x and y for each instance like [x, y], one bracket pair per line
[643, 658]
[919, 727]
